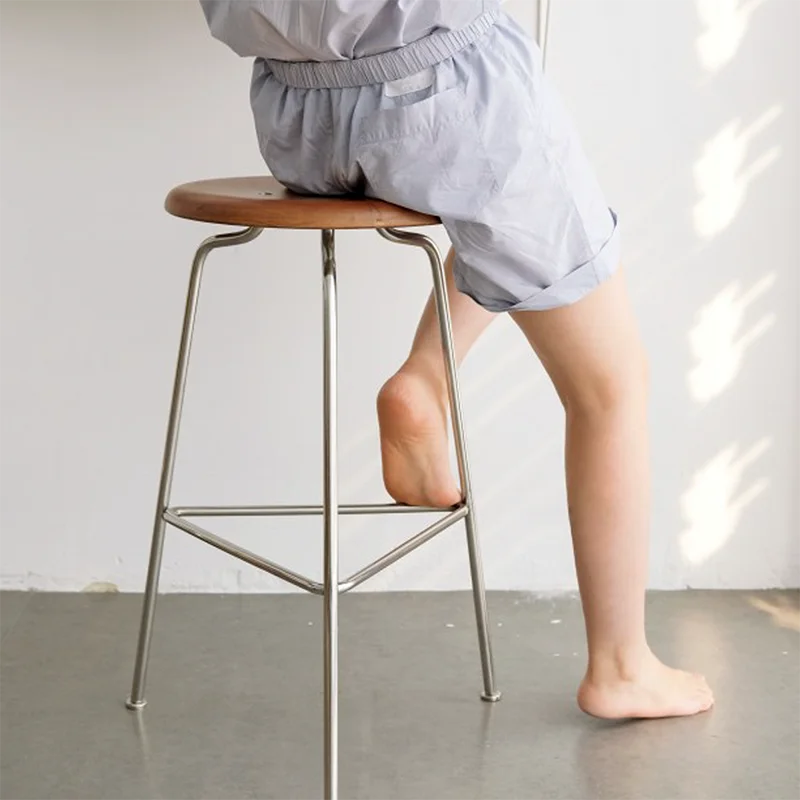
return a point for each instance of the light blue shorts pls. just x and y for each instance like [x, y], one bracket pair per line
[463, 126]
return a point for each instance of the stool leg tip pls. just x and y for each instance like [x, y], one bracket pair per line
[491, 698]
[135, 706]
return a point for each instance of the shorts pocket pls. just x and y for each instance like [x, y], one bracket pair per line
[427, 155]
[407, 117]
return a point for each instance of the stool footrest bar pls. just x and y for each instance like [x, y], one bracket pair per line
[295, 578]
[304, 510]
[403, 549]
[288, 575]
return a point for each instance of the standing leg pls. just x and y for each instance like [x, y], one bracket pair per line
[330, 518]
[451, 376]
[594, 356]
[136, 699]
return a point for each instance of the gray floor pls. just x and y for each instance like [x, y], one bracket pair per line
[235, 700]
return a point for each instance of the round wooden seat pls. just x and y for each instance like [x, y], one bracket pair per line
[262, 202]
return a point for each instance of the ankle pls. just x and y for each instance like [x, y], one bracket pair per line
[619, 663]
[429, 372]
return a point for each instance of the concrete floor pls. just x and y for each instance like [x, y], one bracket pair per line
[235, 702]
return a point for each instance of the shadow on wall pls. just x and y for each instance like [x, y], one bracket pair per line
[692, 120]
[704, 210]
[734, 320]
[725, 337]
[724, 24]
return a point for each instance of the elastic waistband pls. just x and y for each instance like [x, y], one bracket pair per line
[391, 66]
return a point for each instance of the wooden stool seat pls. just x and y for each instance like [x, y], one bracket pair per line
[262, 202]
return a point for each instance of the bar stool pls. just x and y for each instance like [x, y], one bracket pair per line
[258, 203]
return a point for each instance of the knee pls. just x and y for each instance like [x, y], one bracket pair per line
[608, 388]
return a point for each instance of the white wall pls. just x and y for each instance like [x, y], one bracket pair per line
[690, 112]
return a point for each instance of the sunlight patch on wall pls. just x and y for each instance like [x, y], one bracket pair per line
[724, 23]
[719, 341]
[723, 174]
[714, 503]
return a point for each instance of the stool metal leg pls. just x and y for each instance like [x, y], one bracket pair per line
[136, 700]
[489, 693]
[543, 29]
[330, 518]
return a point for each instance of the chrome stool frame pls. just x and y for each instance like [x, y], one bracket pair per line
[331, 586]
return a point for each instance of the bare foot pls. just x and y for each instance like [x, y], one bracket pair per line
[651, 690]
[413, 422]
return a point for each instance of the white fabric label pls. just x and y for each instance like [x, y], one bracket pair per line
[414, 83]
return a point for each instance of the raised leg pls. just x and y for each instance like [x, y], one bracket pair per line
[490, 693]
[413, 403]
[136, 700]
[330, 513]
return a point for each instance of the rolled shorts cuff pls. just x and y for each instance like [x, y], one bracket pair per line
[574, 286]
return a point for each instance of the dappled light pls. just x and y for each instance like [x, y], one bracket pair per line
[717, 498]
[724, 25]
[725, 170]
[721, 336]
[784, 613]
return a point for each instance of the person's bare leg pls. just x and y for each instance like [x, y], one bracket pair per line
[593, 354]
[412, 406]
